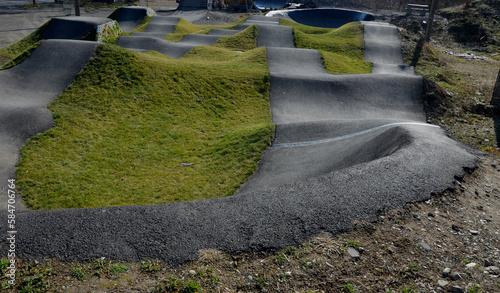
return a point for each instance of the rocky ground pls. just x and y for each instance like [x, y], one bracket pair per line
[450, 243]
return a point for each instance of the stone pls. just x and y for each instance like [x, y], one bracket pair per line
[455, 276]
[250, 277]
[416, 217]
[493, 270]
[361, 250]
[192, 272]
[446, 272]
[474, 232]
[470, 265]
[487, 262]
[424, 245]
[187, 164]
[457, 289]
[443, 283]
[352, 252]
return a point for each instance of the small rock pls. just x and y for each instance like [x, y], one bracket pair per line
[192, 272]
[487, 262]
[455, 276]
[474, 232]
[455, 228]
[187, 164]
[431, 215]
[470, 265]
[353, 252]
[443, 283]
[446, 272]
[480, 208]
[493, 270]
[457, 289]
[424, 246]
[250, 277]
[361, 250]
[416, 217]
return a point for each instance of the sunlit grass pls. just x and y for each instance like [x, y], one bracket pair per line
[342, 49]
[130, 121]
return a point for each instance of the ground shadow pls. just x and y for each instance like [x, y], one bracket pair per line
[418, 52]
[496, 121]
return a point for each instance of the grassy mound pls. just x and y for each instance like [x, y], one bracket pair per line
[184, 28]
[138, 129]
[342, 49]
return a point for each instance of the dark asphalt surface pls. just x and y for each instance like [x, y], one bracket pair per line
[27, 89]
[346, 147]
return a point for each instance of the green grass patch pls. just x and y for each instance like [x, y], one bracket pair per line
[138, 129]
[342, 49]
[184, 28]
[242, 41]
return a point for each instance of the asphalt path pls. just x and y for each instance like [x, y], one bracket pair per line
[346, 148]
[27, 89]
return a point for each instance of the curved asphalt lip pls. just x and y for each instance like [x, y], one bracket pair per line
[296, 193]
[333, 139]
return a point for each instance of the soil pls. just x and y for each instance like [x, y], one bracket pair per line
[406, 250]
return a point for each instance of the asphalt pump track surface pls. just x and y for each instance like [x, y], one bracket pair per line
[346, 147]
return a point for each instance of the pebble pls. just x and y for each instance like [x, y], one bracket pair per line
[446, 272]
[474, 232]
[416, 217]
[361, 249]
[457, 289]
[487, 263]
[424, 246]
[493, 270]
[470, 265]
[192, 272]
[250, 277]
[455, 276]
[353, 252]
[443, 283]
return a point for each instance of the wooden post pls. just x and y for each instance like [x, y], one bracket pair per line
[430, 21]
[77, 7]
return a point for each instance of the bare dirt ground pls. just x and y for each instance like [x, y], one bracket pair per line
[450, 243]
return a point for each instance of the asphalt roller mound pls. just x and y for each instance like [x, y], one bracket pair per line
[130, 17]
[72, 27]
[328, 167]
